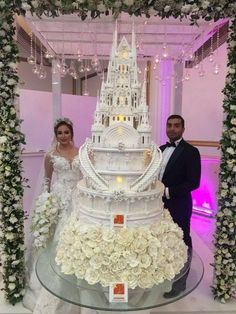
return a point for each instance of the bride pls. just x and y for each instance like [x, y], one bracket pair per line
[61, 176]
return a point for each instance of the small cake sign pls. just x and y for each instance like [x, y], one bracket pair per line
[118, 220]
[118, 292]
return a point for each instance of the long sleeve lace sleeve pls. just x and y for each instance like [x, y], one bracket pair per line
[48, 167]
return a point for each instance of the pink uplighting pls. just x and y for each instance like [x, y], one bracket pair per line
[205, 197]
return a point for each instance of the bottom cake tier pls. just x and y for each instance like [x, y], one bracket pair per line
[141, 257]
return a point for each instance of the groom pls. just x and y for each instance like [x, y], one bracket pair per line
[180, 172]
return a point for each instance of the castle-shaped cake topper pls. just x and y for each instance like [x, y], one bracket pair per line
[122, 99]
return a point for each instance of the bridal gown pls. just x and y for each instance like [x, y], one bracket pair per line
[65, 177]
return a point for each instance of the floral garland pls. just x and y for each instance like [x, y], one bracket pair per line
[194, 9]
[11, 181]
[224, 286]
[142, 256]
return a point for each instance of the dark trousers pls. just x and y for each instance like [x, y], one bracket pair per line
[181, 211]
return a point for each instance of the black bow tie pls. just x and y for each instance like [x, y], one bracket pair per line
[170, 144]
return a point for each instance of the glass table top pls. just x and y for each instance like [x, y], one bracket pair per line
[79, 292]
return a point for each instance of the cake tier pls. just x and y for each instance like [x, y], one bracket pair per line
[141, 257]
[130, 169]
[97, 207]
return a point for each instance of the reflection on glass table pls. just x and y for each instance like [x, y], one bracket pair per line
[79, 292]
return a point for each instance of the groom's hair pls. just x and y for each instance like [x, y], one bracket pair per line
[176, 116]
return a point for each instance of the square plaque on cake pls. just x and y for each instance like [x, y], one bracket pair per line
[118, 292]
[118, 220]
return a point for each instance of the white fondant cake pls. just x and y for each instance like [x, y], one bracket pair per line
[120, 167]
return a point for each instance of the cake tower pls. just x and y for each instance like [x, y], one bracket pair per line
[119, 231]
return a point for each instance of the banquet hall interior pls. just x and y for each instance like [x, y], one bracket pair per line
[185, 68]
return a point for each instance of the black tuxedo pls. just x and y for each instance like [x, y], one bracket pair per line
[181, 176]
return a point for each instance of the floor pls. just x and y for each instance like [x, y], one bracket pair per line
[199, 301]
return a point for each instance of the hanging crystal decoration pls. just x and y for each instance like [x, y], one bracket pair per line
[72, 70]
[81, 68]
[79, 55]
[157, 59]
[211, 54]
[94, 61]
[31, 59]
[86, 93]
[48, 55]
[201, 69]
[63, 67]
[42, 74]
[35, 69]
[196, 61]
[87, 66]
[216, 66]
[164, 51]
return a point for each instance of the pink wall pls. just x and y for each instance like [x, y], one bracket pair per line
[36, 112]
[202, 105]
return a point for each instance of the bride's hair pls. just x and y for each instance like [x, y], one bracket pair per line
[64, 121]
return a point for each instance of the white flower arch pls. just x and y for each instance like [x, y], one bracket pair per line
[11, 180]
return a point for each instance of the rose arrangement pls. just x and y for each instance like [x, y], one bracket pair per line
[45, 217]
[142, 256]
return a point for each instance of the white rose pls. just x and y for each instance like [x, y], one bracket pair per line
[9, 236]
[132, 260]
[108, 235]
[233, 121]
[186, 8]
[169, 272]
[3, 139]
[101, 7]
[205, 4]
[139, 245]
[13, 219]
[128, 2]
[230, 150]
[146, 280]
[11, 286]
[12, 278]
[96, 261]
[125, 237]
[35, 4]
[7, 48]
[145, 260]
[232, 43]
[167, 8]
[92, 276]
[231, 70]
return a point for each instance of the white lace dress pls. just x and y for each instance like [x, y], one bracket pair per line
[65, 177]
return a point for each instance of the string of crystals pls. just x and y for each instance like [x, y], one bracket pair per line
[201, 68]
[31, 59]
[35, 69]
[216, 66]
[42, 74]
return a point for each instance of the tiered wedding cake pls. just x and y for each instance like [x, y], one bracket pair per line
[120, 166]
